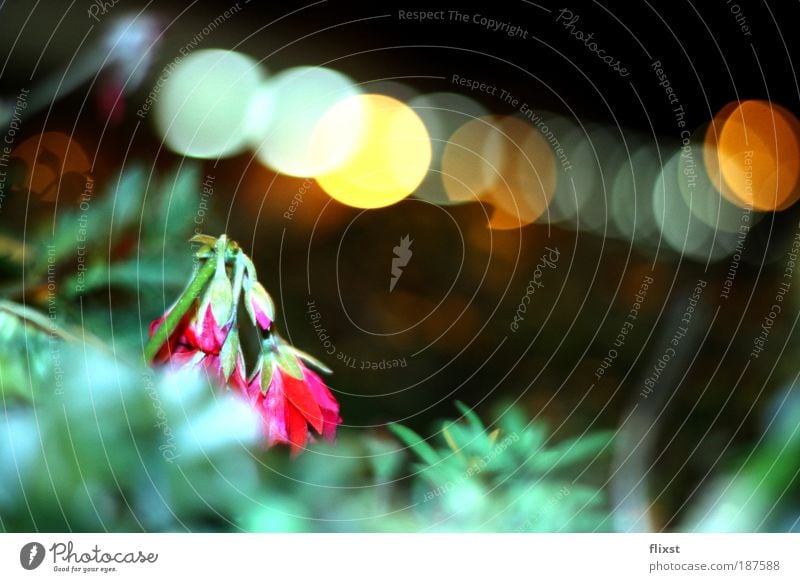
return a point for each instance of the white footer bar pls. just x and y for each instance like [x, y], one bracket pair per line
[390, 557]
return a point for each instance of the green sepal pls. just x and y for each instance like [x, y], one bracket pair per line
[238, 276]
[267, 371]
[229, 353]
[204, 252]
[204, 240]
[310, 360]
[249, 267]
[287, 361]
[219, 294]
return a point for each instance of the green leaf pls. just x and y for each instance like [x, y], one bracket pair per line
[383, 457]
[62, 240]
[125, 205]
[474, 422]
[31, 348]
[129, 274]
[582, 449]
[413, 441]
[178, 199]
[36, 319]
[14, 250]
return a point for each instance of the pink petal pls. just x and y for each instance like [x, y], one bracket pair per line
[261, 316]
[327, 404]
[273, 411]
[211, 336]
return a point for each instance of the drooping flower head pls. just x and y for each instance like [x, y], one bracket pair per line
[289, 396]
[223, 323]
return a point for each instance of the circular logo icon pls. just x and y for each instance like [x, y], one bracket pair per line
[31, 555]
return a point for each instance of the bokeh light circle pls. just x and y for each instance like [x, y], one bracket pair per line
[526, 180]
[286, 113]
[631, 196]
[680, 229]
[702, 196]
[755, 147]
[392, 156]
[203, 103]
[442, 113]
[471, 159]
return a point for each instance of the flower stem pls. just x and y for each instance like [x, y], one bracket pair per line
[174, 317]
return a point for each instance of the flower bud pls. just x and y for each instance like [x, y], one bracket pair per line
[218, 297]
[259, 305]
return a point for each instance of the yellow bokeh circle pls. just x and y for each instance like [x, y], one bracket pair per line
[390, 160]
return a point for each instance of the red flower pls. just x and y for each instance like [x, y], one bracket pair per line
[290, 397]
[193, 343]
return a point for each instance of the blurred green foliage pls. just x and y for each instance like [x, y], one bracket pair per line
[122, 448]
[507, 479]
